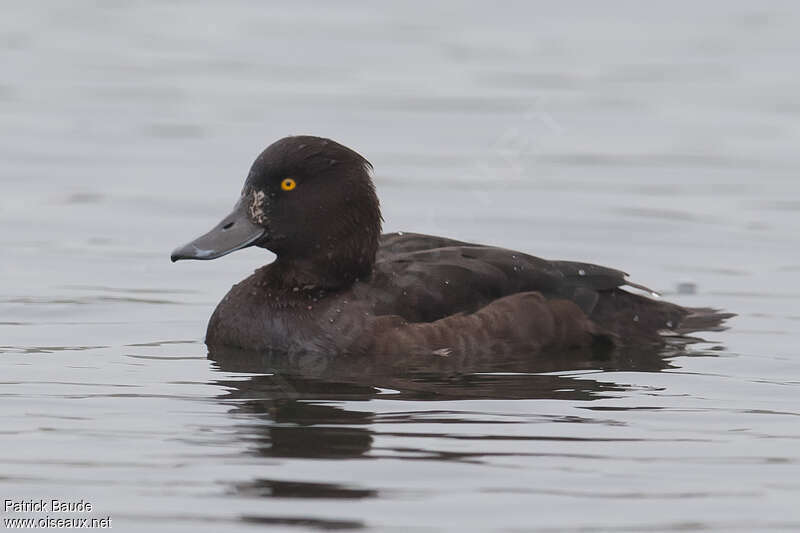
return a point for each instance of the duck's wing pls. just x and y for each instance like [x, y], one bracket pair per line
[525, 322]
[425, 278]
[399, 245]
[403, 242]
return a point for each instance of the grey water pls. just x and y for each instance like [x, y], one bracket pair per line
[658, 138]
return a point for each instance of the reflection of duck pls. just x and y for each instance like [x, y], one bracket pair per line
[421, 377]
[296, 426]
[339, 287]
[307, 407]
[286, 415]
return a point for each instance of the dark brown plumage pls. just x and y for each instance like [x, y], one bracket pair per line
[339, 288]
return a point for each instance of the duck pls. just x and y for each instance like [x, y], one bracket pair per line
[339, 287]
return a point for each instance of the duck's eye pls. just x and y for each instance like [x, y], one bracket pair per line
[288, 184]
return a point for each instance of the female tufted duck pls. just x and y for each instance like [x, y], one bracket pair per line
[340, 287]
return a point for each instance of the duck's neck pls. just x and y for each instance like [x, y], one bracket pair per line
[331, 267]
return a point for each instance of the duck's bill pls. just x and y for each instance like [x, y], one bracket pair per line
[234, 232]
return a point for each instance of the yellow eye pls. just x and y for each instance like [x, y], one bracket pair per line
[288, 184]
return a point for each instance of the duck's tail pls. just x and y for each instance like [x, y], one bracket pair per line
[635, 318]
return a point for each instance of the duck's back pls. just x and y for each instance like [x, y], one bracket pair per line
[424, 278]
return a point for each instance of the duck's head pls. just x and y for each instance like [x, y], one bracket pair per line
[309, 200]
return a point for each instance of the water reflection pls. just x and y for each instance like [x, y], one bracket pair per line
[302, 408]
[430, 377]
[273, 488]
[297, 402]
